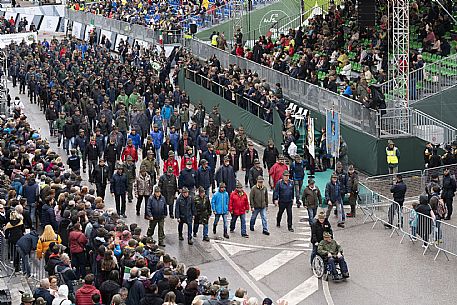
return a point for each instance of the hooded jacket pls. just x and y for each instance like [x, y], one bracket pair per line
[238, 204]
[84, 295]
[44, 293]
[28, 242]
[136, 291]
[14, 230]
[220, 202]
[63, 295]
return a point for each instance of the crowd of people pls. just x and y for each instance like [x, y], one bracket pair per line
[11, 26]
[158, 15]
[333, 51]
[126, 125]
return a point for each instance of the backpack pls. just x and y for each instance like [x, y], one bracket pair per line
[152, 260]
[60, 275]
[441, 208]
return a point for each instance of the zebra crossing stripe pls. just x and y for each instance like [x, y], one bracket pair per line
[273, 263]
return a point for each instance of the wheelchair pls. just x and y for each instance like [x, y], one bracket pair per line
[320, 269]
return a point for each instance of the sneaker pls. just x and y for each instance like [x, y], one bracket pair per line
[172, 217]
[266, 233]
[252, 229]
[278, 225]
[346, 275]
[195, 234]
[226, 236]
[245, 236]
[341, 225]
[180, 237]
[206, 238]
[125, 216]
[387, 226]
[190, 242]
[137, 213]
[231, 231]
[291, 230]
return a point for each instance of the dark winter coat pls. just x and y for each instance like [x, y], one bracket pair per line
[449, 187]
[284, 192]
[318, 229]
[187, 178]
[204, 177]
[185, 208]
[119, 184]
[156, 207]
[226, 174]
[28, 242]
[269, 156]
[48, 216]
[398, 191]
[202, 209]
[136, 291]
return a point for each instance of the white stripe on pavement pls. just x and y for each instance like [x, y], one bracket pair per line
[272, 264]
[302, 291]
[306, 245]
[234, 249]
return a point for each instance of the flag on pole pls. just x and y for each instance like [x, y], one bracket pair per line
[311, 144]
[332, 130]
[160, 38]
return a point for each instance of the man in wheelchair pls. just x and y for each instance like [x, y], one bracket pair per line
[332, 253]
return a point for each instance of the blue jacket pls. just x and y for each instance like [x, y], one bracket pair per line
[187, 178]
[220, 202]
[185, 208]
[398, 191]
[333, 192]
[17, 186]
[136, 140]
[297, 170]
[157, 138]
[28, 242]
[156, 208]
[31, 192]
[284, 192]
[48, 217]
[167, 111]
[174, 140]
[204, 177]
[157, 120]
[119, 184]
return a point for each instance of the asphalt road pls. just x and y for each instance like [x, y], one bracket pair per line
[383, 271]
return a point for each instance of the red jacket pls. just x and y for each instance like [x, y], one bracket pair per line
[84, 295]
[238, 205]
[173, 163]
[77, 241]
[129, 151]
[276, 172]
[186, 158]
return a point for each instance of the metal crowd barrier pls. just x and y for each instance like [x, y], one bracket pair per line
[237, 99]
[429, 172]
[302, 93]
[405, 220]
[382, 183]
[419, 227]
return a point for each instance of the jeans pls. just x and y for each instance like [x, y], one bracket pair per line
[205, 228]
[32, 211]
[25, 260]
[79, 261]
[288, 208]
[297, 190]
[331, 265]
[158, 157]
[120, 203]
[313, 254]
[438, 232]
[263, 216]
[340, 211]
[448, 202]
[394, 209]
[68, 144]
[224, 219]
[311, 214]
[243, 223]
[181, 224]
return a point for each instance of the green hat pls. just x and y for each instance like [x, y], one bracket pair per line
[327, 234]
[189, 162]
[27, 297]
[286, 173]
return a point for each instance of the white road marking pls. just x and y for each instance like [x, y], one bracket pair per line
[273, 263]
[307, 233]
[234, 249]
[223, 242]
[327, 295]
[239, 271]
[306, 245]
[302, 291]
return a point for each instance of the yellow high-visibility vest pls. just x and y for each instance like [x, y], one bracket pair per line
[214, 40]
[392, 156]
